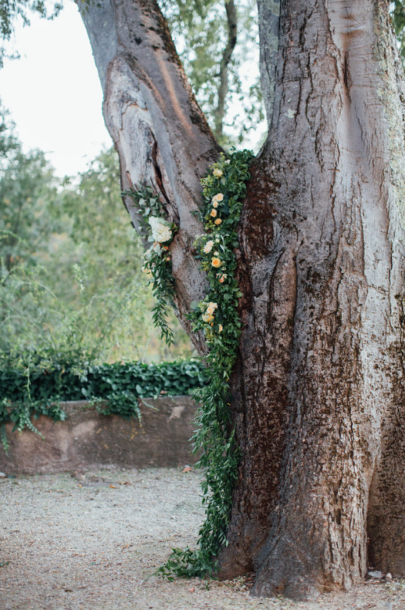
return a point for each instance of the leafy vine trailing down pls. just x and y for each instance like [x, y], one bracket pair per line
[217, 316]
[157, 259]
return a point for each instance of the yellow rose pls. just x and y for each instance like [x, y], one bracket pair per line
[218, 221]
[214, 203]
[220, 328]
[218, 197]
[216, 262]
[214, 213]
[207, 317]
[211, 308]
[217, 173]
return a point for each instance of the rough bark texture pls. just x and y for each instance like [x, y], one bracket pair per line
[321, 359]
[318, 390]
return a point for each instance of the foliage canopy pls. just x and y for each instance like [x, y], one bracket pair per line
[71, 281]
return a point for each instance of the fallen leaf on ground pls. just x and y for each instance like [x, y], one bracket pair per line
[187, 469]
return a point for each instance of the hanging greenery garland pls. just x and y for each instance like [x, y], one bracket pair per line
[217, 316]
[158, 264]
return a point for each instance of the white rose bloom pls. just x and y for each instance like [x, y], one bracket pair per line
[160, 229]
[208, 247]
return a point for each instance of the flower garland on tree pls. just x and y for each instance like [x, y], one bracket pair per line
[217, 317]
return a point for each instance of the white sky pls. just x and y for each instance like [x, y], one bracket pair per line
[53, 92]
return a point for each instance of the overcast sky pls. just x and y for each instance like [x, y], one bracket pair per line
[53, 91]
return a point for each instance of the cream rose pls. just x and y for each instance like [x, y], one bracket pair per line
[208, 247]
[207, 317]
[218, 173]
[161, 230]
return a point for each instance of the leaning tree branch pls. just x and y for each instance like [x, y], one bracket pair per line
[232, 24]
[161, 135]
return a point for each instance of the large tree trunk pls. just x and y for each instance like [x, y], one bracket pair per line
[318, 387]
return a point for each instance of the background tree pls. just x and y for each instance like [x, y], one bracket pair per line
[398, 18]
[218, 44]
[63, 294]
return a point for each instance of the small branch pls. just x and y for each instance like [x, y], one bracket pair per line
[269, 22]
[232, 22]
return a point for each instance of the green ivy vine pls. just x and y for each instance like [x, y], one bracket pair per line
[155, 228]
[217, 317]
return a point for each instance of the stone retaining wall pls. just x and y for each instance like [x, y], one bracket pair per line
[88, 440]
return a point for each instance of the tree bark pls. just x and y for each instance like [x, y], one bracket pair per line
[326, 282]
[161, 135]
[318, 387]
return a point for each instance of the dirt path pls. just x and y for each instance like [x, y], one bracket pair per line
[93, 542]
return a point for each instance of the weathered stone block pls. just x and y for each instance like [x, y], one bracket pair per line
[88, 440]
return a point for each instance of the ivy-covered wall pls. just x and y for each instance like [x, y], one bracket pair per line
[29, 392]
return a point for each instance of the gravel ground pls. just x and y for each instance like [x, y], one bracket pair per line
[92, 542]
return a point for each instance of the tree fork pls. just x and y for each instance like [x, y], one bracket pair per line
[318, 387]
